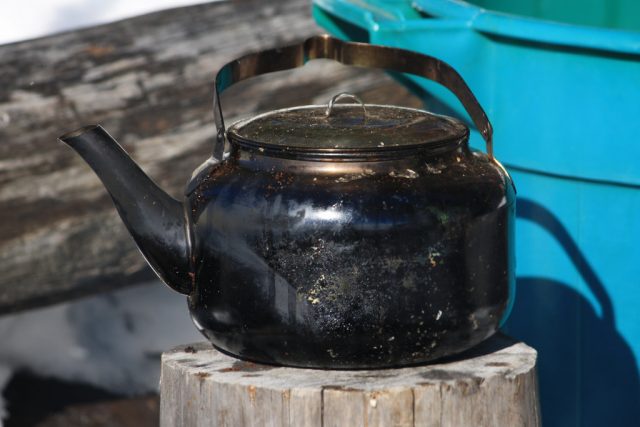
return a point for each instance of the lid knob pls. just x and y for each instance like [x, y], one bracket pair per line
[344, 95]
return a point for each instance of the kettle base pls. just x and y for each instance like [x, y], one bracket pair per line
[279, 351]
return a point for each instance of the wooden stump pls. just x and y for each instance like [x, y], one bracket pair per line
[492, 385]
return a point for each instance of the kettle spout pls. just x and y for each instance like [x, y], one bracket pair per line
[155, 220]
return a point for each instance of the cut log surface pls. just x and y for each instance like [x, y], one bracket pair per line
[493, 384]
[148, 80]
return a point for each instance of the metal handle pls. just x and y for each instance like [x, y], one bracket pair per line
[356, 54]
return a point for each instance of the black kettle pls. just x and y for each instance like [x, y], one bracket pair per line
[330, 236]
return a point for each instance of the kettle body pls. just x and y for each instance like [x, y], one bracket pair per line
[377, 264]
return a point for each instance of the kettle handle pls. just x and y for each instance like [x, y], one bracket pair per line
[348, 53]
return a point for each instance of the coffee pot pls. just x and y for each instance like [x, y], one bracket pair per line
[345, 235]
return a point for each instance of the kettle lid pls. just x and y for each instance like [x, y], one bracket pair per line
[348, 131]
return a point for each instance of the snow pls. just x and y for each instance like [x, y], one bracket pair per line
[113, 341]
[35, 18]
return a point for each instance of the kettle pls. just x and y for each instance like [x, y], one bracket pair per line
[346, 235]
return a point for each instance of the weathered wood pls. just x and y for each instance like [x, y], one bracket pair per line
[133, 412]
[148, 80]
[492, 385]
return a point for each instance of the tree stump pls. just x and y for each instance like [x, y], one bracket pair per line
[493, 384]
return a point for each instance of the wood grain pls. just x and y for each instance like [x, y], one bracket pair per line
[148, 80]
[492, 385]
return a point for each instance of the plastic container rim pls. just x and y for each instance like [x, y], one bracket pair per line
[532, 29]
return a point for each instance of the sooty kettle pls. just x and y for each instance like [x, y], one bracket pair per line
[346, 235]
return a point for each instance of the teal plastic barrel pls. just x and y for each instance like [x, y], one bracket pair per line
[560, 81]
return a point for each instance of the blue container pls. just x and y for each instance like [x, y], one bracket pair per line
[564, 100]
